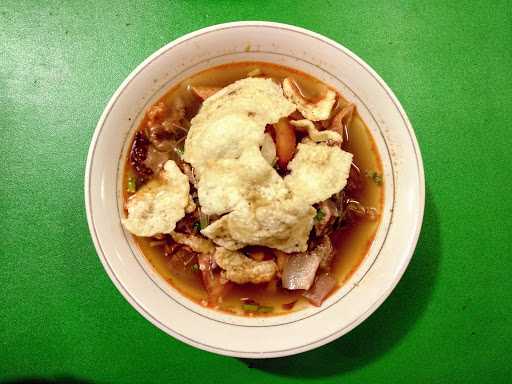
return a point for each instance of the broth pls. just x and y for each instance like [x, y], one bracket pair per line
[351, 242]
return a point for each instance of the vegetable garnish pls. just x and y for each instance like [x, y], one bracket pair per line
[202, 223]
[179, 151]
[257, 308]
[320, 214]
[377, 178]
[194, 267]
[204, 220]
[250, 307]
[132, 184]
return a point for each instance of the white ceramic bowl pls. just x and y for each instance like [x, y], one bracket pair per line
[218, 332]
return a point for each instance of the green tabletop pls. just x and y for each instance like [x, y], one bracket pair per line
[449, 319]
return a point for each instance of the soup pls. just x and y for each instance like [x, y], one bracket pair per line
[222, 274]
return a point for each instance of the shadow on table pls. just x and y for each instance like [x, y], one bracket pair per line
[382, 330]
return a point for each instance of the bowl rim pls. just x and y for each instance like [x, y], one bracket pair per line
[404, 262]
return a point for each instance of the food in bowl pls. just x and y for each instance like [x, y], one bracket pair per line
[253, 188]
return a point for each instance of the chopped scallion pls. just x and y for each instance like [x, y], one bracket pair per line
[254, 307]
[204, 220]
[376, 177]
[320, 214]
[132, 185]
[179, 151]
[250, 307]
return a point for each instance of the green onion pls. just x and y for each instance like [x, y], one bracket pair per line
[320, 214]
[195, 267]
[179, 151]
[250, 307]
[132, 185]
[197, 226]
[377, 178]
[204, 220]
[257, 308]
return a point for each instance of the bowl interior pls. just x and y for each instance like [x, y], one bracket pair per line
[273, 336]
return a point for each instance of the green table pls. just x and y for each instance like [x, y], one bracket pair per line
[449, 319]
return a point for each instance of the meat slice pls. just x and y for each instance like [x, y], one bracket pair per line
[216, 287]
[328, 214]
[300, 270]
[325, 251]
[138, 155]
[324, 284]
[156, 159]
[166, 125]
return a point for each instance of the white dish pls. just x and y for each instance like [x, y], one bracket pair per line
[260, 337]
